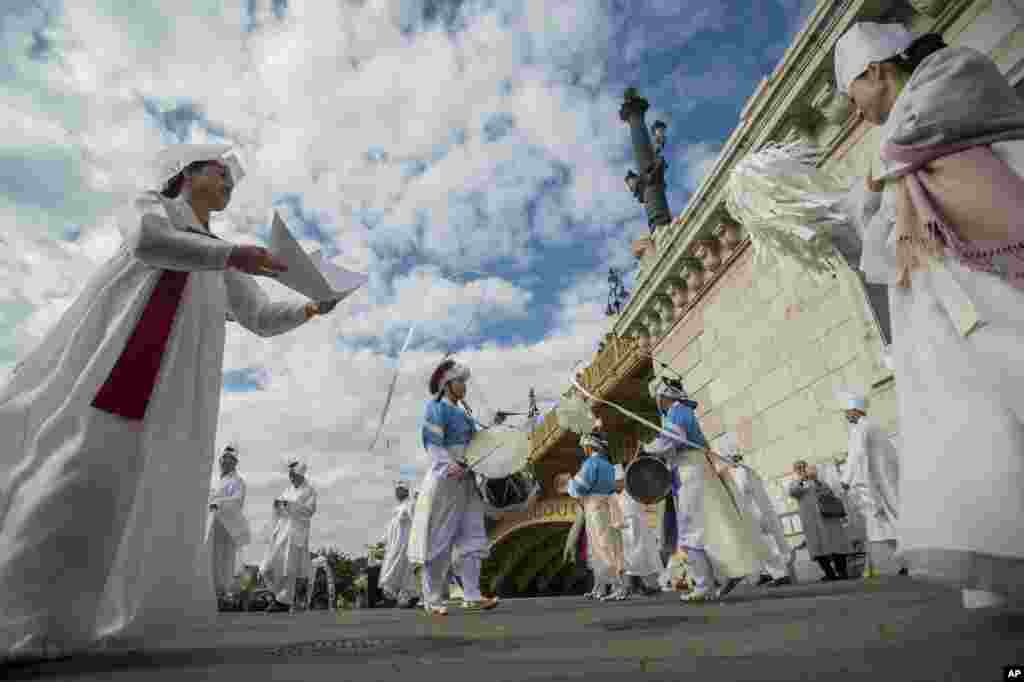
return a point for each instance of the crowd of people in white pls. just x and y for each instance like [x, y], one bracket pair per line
[109, 424]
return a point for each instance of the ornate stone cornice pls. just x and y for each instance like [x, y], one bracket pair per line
[801, 68]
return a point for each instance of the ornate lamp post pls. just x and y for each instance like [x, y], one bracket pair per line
[649, 185]
[617, 294]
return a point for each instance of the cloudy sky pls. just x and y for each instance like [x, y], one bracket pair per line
[466, 153]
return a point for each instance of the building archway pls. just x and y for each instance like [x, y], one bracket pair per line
[528, 562]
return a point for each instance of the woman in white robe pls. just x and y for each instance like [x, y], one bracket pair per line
[640, 546]
[949, 243]
[102, 509]
[287, 559]
[397, 576]
[228, 529]
[763, 516]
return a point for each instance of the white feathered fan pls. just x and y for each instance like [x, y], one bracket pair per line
[787, 204]
[574, 415]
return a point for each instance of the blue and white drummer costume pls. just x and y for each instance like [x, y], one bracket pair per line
[710, 530]
[449, 513]
[594, 484]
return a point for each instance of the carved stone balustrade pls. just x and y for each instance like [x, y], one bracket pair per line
[677, 293]
[729, 236]
[806, 119]
[665, 311]
[708, 252]
[642, 337]
[837, 108]
[652, 320]
[693, 272]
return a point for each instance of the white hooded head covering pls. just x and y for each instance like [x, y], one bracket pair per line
[864, 43]
[670, 389]
[298, 467]
[853, 399]
[174, 160]
[729, 446]
[595, 440]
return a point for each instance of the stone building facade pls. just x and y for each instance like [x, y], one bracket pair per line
[763, 349]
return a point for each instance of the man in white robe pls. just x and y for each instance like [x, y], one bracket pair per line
[397, 577]
[872, 481]
[109, 424]
[228, 527]
[639, 545]
[287, 559]
[758, 505]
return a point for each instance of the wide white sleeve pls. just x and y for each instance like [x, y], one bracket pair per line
[254, 310]
[159, 244]
[231, 496]
[878, 258]
[304, 508]
[796, 489]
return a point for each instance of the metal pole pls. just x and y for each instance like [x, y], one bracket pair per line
[651, 166]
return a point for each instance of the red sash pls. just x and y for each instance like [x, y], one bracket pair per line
[129, 387]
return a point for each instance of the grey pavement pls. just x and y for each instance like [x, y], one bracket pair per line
[892, 628]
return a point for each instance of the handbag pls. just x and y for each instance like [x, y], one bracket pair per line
[830, 506]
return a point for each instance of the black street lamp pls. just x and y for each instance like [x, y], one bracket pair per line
[617, 294]
[648, 186]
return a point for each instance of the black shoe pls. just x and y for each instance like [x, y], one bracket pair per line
[729, 586]
[779, 582]
[278, 607]
[904, 571]
[764, 579]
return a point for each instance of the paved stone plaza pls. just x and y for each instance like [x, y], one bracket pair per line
[887, 629]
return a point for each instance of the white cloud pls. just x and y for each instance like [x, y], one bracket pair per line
[305, 98]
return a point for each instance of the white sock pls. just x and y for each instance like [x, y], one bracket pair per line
[980, 599]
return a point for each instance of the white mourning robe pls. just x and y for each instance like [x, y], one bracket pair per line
[961, 408]
[765, 518]
[229, 530]
[872, 474]
[101, 517]
[287, 558]
[639, 540]
[397, 574]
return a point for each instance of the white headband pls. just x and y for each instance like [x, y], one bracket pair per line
[662, 389]
[865, 43]
[456, 372]
[729, 446]
[595, 441]
[174, 160]
[857, 404]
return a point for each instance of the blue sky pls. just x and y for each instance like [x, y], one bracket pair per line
[468, 155]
